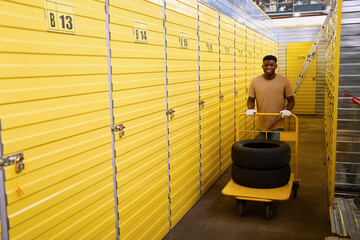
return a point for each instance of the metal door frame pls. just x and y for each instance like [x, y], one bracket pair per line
[108, 36]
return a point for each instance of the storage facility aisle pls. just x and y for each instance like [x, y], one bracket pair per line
[307, 217]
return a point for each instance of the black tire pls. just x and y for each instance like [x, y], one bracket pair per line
[261, 178]
[260, 154]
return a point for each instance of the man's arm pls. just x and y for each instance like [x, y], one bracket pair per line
[251, 103]
[290, 103]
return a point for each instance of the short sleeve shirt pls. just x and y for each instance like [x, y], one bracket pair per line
[270, 97]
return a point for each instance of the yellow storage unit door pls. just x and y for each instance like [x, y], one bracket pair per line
[183, 99]
[209, 96]
[137, 60]
[240, 80]
[227, 83]
[55, 112]
[250, 68]
[295, 58]
[258, 54]
[265, 47]
[250, 55]
[274, 49]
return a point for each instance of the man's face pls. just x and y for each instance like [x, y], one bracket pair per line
[269, 67]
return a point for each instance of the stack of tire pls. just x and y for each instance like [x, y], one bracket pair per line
[260, 163]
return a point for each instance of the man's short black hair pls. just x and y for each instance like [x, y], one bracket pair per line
[270, 57]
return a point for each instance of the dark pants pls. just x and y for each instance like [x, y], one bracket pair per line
[274, 135]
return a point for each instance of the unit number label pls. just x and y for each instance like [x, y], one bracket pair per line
[60, 17]
[140, 32]
[183, 40]
[209, 45]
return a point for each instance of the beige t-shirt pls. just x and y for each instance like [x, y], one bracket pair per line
[270, 97]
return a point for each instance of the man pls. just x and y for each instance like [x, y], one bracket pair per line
[271, 90]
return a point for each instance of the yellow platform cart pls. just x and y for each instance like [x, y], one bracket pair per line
[247, 130]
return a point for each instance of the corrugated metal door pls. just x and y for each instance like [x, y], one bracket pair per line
[296, 56]
[137, 46]
[250, 69]
[227, 88]
[209, 95]
[240, 81]
[265, 47]
[274, 49]
[183, 98]
[55, 111]
[347, 176]
[258, 54]
[250, 55]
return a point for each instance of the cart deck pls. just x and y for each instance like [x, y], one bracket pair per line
[258, 194]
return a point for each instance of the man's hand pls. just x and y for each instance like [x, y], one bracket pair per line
[285, 113]
[250, 112]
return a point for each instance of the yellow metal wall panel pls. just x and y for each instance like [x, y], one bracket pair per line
[331, 95]
[95, 212]
[209, 93]
[42, 133]
[33, 227]
[296, 54]
[240, 72]
[91, 158]
[182, 58]
[258, 54]
[107, 233]
[134, 223]
[189, 202]
[139, 104]
[274, 48]
[227, 88]
[60, 86]
[54, 110]
[56, 206]
[151, 232]
[250, 55]
[250, 65]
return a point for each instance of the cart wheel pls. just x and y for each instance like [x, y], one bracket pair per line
[269, 208]
[242, 207]
[295, 188]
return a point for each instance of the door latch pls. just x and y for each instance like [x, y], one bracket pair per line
[14, 159]
[171, 113]
[221, 97]
[235, 93]
[118, 128]
[201, 103]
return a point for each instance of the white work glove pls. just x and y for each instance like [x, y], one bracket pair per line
[285, 113]
[250, 112]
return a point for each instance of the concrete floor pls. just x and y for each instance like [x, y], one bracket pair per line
[216, 216]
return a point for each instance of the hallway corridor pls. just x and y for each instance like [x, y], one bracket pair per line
[215, 217]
